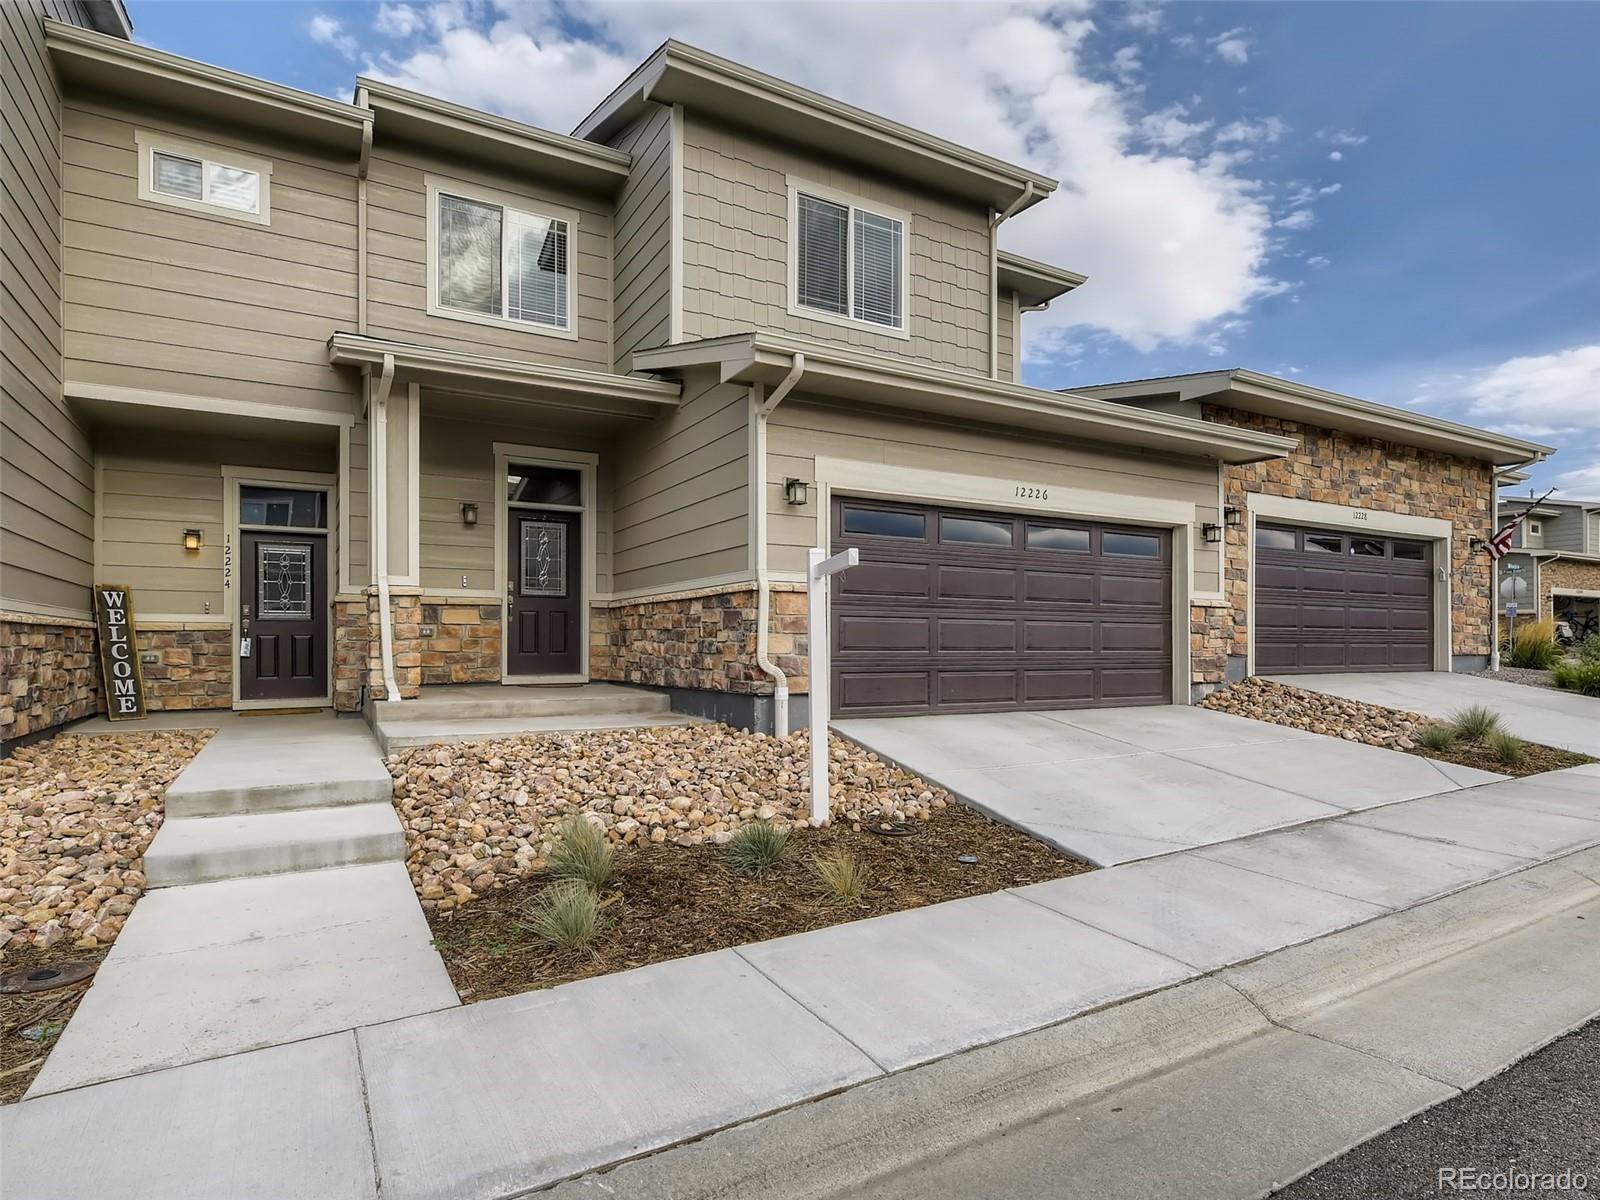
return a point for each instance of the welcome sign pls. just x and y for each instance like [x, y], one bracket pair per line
[119, 654]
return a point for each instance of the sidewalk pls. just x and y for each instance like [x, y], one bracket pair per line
[494, 1099]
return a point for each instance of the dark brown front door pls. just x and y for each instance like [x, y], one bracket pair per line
[283, 616]
[1332, 601]
[543, 594]
[952, 610]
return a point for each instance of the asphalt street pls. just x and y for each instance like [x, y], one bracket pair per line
[1539, 1118]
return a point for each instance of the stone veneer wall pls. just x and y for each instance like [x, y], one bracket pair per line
[465, 645]
[1564, 573]
[195, 669]
[1340, 468]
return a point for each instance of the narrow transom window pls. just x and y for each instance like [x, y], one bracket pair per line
[849, 261]
[202, 178]
[502, 263]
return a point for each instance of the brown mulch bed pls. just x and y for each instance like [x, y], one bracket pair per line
[673, 901]
[41, 1016]
[1536, 759]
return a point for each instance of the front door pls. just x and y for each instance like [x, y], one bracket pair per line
[543, 594]
[283, 615]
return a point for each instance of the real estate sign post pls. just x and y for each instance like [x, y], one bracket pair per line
[818, 570]
[119, 653]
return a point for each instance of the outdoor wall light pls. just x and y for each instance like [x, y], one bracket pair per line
[795, 490]
[1232, 517]
[469, 514]
[193, 539]
[1211, 532]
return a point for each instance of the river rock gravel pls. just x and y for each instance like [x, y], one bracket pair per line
[480, 815]
[1261, 700]
[76, 815]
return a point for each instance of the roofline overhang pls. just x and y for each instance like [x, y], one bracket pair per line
[1035, 283]
[835, 373]
[85, 58]
[682, 74]
[517, 379]
[457, 129]
[110, 17]
[1272, 396]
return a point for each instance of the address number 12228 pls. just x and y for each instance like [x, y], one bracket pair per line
[1025, 492]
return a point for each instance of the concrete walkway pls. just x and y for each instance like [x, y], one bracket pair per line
[494, 1099]
[280, 910]
[1549, 716]
[1120, 784]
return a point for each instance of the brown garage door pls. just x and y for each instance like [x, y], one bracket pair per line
[1328, 601]
[960, 611]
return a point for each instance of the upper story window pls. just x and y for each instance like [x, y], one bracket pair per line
[847, 261]
[203, 178]
[1536, 529]
[499, 261]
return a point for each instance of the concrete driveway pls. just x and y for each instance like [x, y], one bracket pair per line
[1545, 715]
[1114, 785]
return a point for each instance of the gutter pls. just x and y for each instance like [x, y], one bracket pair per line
[378, 431]
[995, 221]
[760, 409]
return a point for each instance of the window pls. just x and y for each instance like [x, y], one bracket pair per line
[1366, 547]
[208, 179]
[544, 485]
[1051, 537]
[499, 264]
[849, 262]
[877, 522]
[1324, 543]
[976, 530]
[1409, 551]
[1138, 545]
[283, 507]
[1535, 528]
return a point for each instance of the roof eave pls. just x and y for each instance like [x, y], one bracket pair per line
[1035, 283]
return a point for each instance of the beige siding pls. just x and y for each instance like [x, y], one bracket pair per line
[46, 465]
[643, 286]
[397, 262]
[799, 432]
[682, 493]
[735, 250]
[152, 489]
[168, 300]
[458, 466]
[1006, 336]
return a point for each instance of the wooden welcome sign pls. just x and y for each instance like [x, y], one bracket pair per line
[119, 653]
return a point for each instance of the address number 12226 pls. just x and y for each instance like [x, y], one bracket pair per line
[1025, 492]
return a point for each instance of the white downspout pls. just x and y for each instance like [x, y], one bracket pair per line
[996, 219]
[378, 431]
[760, 410]
[1494, 574]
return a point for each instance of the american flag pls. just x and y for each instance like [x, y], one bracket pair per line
[1499, 545]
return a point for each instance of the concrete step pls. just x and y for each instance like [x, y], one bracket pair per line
[396, 735]
[490, 701]
[206, 849]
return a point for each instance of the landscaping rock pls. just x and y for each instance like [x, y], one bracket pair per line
[1261, 700]
[481, 815]
[76, 815]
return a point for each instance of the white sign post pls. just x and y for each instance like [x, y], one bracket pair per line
[818, 570]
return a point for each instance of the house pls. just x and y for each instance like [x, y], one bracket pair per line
[360, 399]
[1555, 557]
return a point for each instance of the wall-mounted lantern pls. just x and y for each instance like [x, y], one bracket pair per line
[1212, 533]
[1233, 517]
[795, 490]
[193, 539]
[469, 513]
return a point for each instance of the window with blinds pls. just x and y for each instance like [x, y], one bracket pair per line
[203, 178]
[849, 262]
[502, 263]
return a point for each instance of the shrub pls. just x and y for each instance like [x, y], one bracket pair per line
[1533, 646]
[566, 915]
[582, 853]
[1436, 736]
[1476, 723]
[757, 846]
[1589, 649]
[1506, 747]
[843, 874]
[1582, 677]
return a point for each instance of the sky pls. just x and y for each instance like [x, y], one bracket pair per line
[1392, 200]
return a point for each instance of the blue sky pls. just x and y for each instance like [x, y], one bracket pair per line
[1392, 200]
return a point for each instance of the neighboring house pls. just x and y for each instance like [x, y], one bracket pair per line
[364, 398]
[1556, 550]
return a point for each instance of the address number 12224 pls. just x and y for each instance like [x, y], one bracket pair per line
[1025, 492]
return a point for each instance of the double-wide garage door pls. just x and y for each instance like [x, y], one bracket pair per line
[1331, 601]
[953, 610]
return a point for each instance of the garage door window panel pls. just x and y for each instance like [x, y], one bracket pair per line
[1324, 543]
[976, 531]
[1131, 545]
[1063, 538]
[878, 522]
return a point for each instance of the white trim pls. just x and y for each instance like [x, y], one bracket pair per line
[344, 585]
[675, 219]
[1576, 593]
[46, 612]
[880, 481]
[255, 409]
[797, 184]
[149, 143]
[587, 464]
[1357, 520]
[413, 575]
[528, 206]
[730, 580]
[233, 478]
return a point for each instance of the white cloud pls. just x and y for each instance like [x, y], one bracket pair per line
[1300, 218]
[1318, 260]
[1232, 47]
[328, 31]
[1175, 237]
[1559, 390]
[1125, 62]
[398, 20]
[1342, 137]
[1336, 156]
[1142, 18]
[1245, 130]
[1330, 189]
